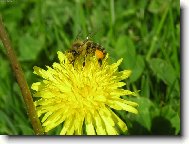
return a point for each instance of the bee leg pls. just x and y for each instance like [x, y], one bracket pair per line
[100, 62]
[83, 64]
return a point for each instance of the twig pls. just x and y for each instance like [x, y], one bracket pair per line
[21, 81]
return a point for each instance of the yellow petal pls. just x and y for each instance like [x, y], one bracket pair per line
[100, 127]
[66, 126]
[89, 125]
[118, 121]
[35, 86]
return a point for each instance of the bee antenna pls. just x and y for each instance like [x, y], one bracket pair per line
[89, 36]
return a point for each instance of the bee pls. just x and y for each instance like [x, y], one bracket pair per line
[84, 48]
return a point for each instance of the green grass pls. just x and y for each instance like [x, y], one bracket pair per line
[145, 33]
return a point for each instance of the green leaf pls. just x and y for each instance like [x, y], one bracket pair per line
[5, 80]
[29, 47]
[4, 130]
[144, 115]
[126, 49]
[157, 6]
[137, 69]
[163, 70]
[6, 120]
[173, 116]
[145, 87]
[25, 129]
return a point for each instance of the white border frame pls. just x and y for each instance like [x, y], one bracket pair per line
[184, 139]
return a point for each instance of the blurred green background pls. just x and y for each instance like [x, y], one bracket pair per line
[145, 33]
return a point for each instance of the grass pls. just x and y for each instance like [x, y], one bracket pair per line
[145, 33]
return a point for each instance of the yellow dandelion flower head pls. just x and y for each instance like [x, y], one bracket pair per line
[82, 96]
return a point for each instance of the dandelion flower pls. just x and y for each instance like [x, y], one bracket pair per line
[82, 97]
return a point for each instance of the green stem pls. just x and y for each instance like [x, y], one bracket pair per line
[155, 38]
[21, 81]
[112, 12]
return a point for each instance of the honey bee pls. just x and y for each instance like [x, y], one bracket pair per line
[84, 48]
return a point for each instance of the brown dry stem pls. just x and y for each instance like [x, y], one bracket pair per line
[21, 81]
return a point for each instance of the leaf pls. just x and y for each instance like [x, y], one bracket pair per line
[29, 47]
[157, 6]
[3, 129]
[144, 117]
[173, 116]
[25, 129]
[145, 87]
[5, 80]
[138, 68]
[125, 49]
[5, 120]
[163, 70]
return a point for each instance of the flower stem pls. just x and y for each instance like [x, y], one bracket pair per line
[21, 81]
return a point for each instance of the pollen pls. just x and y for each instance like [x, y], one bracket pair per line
[99, 54]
